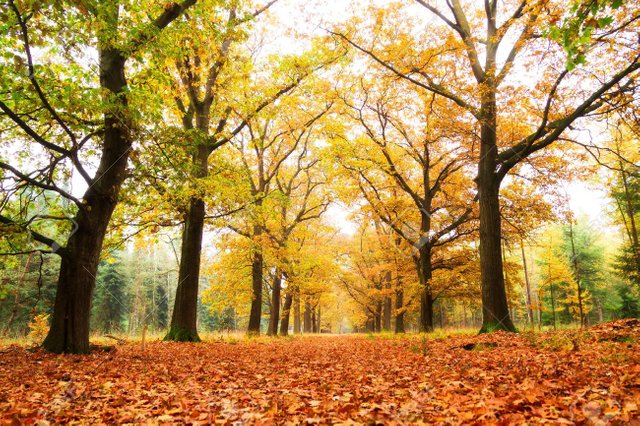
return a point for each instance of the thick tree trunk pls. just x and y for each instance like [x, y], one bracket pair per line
[426, 311]
[69, 330]
[286, 309]
[399, 311]
[184, 327]
[296, 312]
[495, 310]
[314, 323]
[307, 317]
[386, 314]
[185, 311]
[274, 315]
[426, 296]
[255, 315]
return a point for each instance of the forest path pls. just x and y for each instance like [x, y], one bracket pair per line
[563, 376]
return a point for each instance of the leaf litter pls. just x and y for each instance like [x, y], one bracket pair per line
[565, 377]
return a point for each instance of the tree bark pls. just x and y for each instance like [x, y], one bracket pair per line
[284, 322]
[314, 324]
[426, 297]
[255, 315]
[386, 304]
[185, 311]
[184, 327]
[274, 315]
[296, 312]
[69, 332]
[307, 317]
[495, 310]
[399, 311]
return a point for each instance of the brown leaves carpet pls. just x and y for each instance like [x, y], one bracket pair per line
[584, 377]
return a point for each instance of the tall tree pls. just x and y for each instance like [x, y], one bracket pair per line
[70, 134]
[215, 100]
[270, 141]
[408, 166]
[109, 307]
[469, 38]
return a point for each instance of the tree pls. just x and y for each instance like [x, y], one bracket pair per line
[27, 289]
[109, 308]
[69, 134]
[273, 139]
[205, 64]
[373, 274]
[485, 92]
[407, 165]
[625, 190]
[556, 274]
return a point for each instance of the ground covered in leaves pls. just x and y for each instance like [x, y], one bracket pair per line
[591, 376]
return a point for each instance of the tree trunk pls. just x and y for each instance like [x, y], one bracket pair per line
[576, 270]
[69, 330]
[284, 323]
[307, 317]
[386, 305]
[314, 324]
[399, 310]
[386, 314]
[495, 310]
[426, 296]
[426, 311]
[185, 311]
[183, 326]
[296, 312]
[378, 318]
[274, 315]
[256, 278]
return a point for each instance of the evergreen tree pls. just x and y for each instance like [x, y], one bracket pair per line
[110, 300]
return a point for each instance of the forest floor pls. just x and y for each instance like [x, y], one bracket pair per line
[590, 376]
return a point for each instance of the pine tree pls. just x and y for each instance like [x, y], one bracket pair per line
[110, 301]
